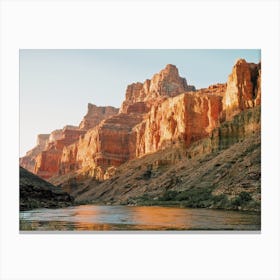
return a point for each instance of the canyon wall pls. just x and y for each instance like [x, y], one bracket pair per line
[45, 159]
[96, 114]
[243, 88]
[187, 117]
[156, 114]
[167, 83]
[28, 161]
[120, 138]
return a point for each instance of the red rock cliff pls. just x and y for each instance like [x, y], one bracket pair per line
[154, 115]
[95, 115]
[45, 159]
[47, 162]
[28, 161]
[167, 83]
[187, 117]
[243, 88]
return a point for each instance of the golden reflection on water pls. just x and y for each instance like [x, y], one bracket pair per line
[104, 218]
[162, 216]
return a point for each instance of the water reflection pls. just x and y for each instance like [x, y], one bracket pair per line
[93, 217]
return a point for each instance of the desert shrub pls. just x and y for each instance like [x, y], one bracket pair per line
[236, 201]
[241, 199]
[147, 174]
[244, 196]
[144, 197]
[195, 197]
[169, 195]
[220, 201]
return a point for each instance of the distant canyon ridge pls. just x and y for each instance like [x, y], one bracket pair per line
[156, 115]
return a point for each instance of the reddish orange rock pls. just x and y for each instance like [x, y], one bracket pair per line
[187, 117]
[28, 161]
[47, 163]
[109, 144]
[155, 114]
[95, 115]
[150, 119]
[45, 159]
[243, 88]
[166, 83]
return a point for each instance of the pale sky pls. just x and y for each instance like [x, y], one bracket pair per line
[57, 85]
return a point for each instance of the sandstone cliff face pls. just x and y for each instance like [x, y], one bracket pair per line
[109, 144]
[47, 162]
[167, 83]
[28, 161]
[45, 159]
[241, 126]
[55, 135]
[186, 118]
[95, 115]
[243, 88]
[118, 138]
[155, 115]
[213, 172]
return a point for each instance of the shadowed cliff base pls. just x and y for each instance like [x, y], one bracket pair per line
[37, 193]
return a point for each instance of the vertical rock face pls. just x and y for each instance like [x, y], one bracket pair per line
[258, 87]
[167, 83]
[55, 135]
[42, 140]
[28, 161]
[186, 118]
[95, 115]
[243, 88]
[151, 118]
[45, 159]
[155, 114]
[47, 162]
[109, 144]
[113, 142]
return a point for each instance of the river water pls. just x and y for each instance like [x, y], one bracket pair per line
[95, 217]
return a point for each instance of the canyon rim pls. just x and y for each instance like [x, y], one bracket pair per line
[173, 155]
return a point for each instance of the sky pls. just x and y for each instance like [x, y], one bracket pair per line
[57, 85]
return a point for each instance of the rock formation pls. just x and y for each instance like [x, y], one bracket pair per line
[187, 117]
[243, 88]
[48, 161]
[44, 160]
[121, 137]
[167, 83]
[28, 161]
[95, 115]
[155, 115]
[217, 171]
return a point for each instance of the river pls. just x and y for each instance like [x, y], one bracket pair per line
[110, 218]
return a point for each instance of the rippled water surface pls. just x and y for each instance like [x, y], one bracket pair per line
[93, 217]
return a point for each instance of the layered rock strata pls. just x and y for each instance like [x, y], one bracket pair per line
[167, 83]
[218, 169]
[243, 88]
[28, 161]
[48, 161]
[96, 114]
[135, 131]
[155, 115]
[44, 160]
